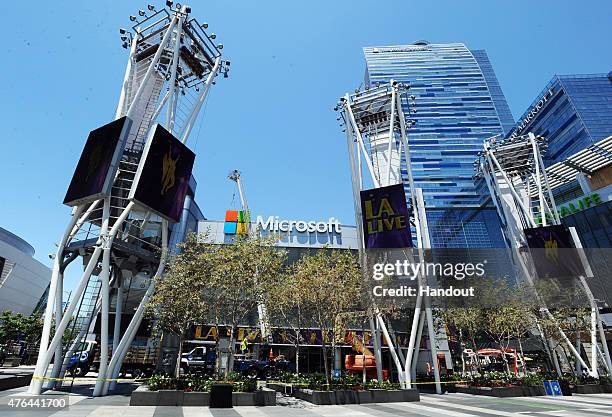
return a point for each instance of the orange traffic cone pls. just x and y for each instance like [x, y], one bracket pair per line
[271, 355]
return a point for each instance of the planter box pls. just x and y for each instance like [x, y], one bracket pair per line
[281, 387]
[263, 397]
[170, 398]
[500, 392]
[196, 399]
[592, 389]
[142, 396]
[342, 397]
[10, 381]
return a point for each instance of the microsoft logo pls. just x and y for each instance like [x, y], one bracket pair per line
[236, 222]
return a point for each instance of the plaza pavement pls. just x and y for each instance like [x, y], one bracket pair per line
[452, 405]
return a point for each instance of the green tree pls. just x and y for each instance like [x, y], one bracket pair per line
[11, 326]
[239, 276]
[331, 282]
[467, 321]
[177, 302]
[285, 300]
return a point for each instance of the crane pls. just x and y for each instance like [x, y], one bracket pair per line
[235, 176]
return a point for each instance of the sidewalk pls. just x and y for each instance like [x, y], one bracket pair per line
[455, 405]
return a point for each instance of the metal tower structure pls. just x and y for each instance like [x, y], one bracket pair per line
[514, 172]
[172, 64]
[376, 133]
[262, 311]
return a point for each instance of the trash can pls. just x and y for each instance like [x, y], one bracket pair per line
[565, 388]
[221, 396]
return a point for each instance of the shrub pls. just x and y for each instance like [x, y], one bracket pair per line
[200, 383]
[532, 379]
[386, 385]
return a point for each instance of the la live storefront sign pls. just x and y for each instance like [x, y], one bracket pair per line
[274, 224]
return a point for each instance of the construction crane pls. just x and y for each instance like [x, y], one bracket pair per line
[261, 307]
[235, 176]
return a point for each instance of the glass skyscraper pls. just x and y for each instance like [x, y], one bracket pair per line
[573, 112]
[459, 104]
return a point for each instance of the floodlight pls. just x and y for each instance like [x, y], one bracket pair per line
[122, 31]
[227, 63]
[220, 46]
[178, 5]
[169, 3]
[133, 18]
[213, 36]
[204, 25]
[150, 7]
[124, 38]
[187, 9]
[141, 12]
[124, 45]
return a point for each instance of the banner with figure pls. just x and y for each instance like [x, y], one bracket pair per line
[95, 171]
[385, 218]
[163, 175]
[553, 252]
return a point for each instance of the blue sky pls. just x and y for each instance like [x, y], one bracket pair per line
[272, 119]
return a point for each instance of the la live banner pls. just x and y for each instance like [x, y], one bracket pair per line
[385, 218]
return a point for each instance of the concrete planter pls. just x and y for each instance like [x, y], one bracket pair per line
[196, 399]
[500, 392]
[142, 396]
[341, 397]
[10, 381]
[592, 389]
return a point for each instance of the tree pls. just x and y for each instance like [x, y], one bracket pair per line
[177, 302]
[568, 312]
[468, 321]
[331, 282]
[285, 300]
[239, 275]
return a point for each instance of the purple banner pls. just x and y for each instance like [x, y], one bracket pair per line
[553, 253]
[385, 218]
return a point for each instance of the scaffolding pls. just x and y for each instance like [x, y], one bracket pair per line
[376, 132]
[172, 64]
[518, 182]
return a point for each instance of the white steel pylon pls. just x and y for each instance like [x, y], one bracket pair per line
[171, 66]
[376, 131]
[514, 172]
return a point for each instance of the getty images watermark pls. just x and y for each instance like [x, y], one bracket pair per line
[404, 270]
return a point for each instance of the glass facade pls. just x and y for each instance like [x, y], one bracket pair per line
[573, 112]
[459, 104]
[594, 225]
[576, 112]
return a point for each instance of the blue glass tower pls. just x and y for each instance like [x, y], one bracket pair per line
[573, 112]
[459, 104]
